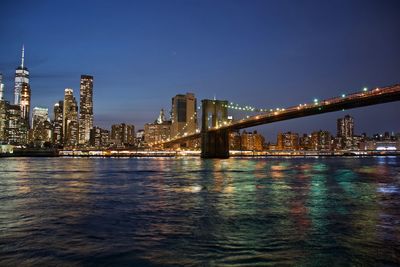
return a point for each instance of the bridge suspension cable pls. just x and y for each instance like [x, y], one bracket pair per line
[186, 125]
[360, 98]
[179, 134]
[238, 107]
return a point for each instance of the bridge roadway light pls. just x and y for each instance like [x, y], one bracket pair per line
[315, 100]
[343, 95]
[365, 89]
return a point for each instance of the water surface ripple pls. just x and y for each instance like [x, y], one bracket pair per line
[193, 212]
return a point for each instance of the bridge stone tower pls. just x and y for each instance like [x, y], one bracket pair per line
[214, 143]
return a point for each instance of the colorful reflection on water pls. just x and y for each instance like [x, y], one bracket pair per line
[191, 212]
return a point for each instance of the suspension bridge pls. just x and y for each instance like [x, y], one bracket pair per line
[216, 124]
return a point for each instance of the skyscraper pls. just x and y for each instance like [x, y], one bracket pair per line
[161, 117]
[99, 138]
[1, 87]
[184, 115]
[21, 78]
[85, 109]
[25, 103]
[41, 126]
[345, 127]
[160, 130]
[3, 121]
[39, 114]
[3, 113]
[122, 134]
[16, 130]
[58, 123]
[70, 119]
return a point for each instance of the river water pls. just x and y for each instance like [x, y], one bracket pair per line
[193, 212]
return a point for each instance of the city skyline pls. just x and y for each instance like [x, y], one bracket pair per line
[142, 98]
[86, 103]
[199, 133]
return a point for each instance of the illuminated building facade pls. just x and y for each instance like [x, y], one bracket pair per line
[345, 127]
[235, 141]
[385, 145]
[305, 142]
[161, 117]
[123, 135]
[321, 140]
[139, 138]
[158, 131]
[287, 141]
[25, 103]
[22, 91]
[1, 87]
[58, 123]
[70, 119]
[41, 126]
[184, 115]
[21, 78]
[99, 138]
[3, 121]
[85, 109]
[252, 141]
[154, 132]
[345, 131]
[3, 113]
[16, 131]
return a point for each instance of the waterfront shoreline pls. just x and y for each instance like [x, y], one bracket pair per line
[183, 154]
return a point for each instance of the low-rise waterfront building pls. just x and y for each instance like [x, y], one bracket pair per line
[288, 141]
[321, 140]
[252, 141]
[122, 135]
[99, 138]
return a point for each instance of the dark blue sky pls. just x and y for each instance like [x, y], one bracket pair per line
[263, 53]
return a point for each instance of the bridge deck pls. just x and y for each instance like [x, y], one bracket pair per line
[355, 100]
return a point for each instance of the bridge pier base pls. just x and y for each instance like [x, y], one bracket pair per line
[215, 144]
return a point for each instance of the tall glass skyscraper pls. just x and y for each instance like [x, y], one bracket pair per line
[22, 91]
[184, 116]
[85, 109]
[1, 87]
[58, 123]
[70, 119]
[25, 103]
[345, 127]
[21, 78]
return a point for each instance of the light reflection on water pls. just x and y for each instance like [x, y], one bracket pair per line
[235, 212]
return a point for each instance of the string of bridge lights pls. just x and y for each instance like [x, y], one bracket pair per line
[234, 106]
[186, 125]
[237, 107]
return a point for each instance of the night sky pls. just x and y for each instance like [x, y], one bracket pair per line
[260, 53]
